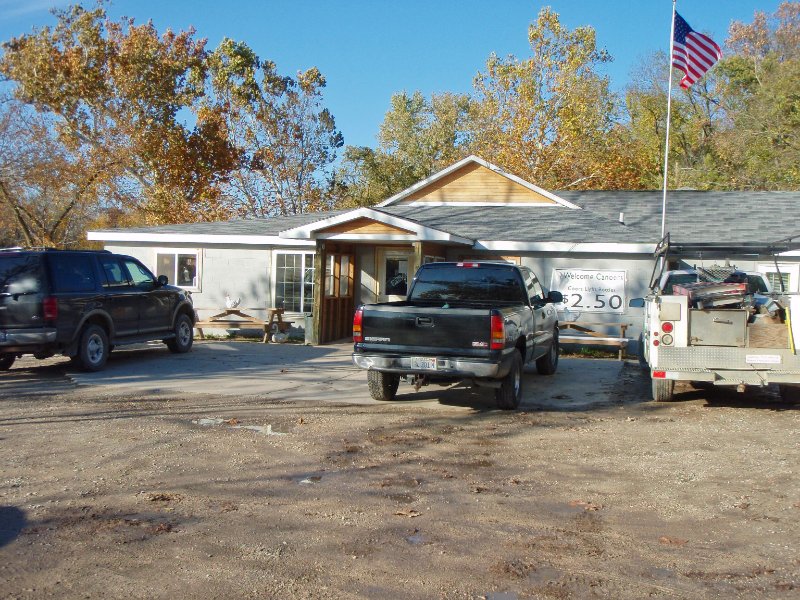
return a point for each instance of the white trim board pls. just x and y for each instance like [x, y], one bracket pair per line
[194, 238]
[565, 247]
[418, 232]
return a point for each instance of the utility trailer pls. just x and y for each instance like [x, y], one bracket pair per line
[720, 333]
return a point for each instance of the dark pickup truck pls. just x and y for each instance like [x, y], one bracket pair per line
[478, 321]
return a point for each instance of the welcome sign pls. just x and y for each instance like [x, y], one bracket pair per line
[591, 290]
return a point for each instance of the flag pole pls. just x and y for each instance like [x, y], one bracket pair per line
[669, 115]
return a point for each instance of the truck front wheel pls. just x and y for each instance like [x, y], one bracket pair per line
[509, 394]
[382, 386]
[547, 364]
[663, 390]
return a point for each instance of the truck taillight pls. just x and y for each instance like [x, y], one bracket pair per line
[358, 336]
[667, 327]
[471, 265]
[498, 338]
[49, 308]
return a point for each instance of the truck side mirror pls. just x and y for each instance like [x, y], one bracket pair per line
[162, 280]
[636, 303]
[555, 296]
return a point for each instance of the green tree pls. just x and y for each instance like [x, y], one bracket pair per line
[761, 145]
[547, 117]
[418, 137]
[287, 139]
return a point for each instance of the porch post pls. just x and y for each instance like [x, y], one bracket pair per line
[418, 256]
[319, 293]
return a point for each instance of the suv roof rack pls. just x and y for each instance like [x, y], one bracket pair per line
[49, 249]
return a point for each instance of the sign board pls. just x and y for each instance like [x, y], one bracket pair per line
[591, 290]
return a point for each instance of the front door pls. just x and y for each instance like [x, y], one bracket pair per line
[395, 270]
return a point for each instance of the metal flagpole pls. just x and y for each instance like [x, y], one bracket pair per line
[669, 114]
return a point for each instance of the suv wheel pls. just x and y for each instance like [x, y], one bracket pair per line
[93, 348]
[184, 335]
[6, 360]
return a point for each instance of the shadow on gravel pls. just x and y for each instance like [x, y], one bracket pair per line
[12, 522]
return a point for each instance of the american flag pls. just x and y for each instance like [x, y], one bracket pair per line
[692, 52]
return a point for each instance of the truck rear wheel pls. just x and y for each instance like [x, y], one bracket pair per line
[382, 386]
[663, 390]
[509, 394]
[789, 393]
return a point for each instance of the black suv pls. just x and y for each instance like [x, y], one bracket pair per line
[83, 303]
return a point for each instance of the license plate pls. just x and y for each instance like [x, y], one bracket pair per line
[419, 362]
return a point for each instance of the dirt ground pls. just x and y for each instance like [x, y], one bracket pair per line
[178, 496]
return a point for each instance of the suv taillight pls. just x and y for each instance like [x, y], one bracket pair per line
[498, 338]
[358, 336]
[50, 308]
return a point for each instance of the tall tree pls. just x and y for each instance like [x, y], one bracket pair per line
[118, 90]
[418, 137]
[48, 191]
[287, 139]
[761, 146]
[547, 117]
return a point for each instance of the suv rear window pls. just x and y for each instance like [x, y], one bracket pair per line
[20, 274]
[73, 272]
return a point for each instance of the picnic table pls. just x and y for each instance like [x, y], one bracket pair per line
[587, 334]
[233, 318]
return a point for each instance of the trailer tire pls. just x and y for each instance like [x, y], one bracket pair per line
[663, 390]
[509, 394]
[789, 392]
[382, 386]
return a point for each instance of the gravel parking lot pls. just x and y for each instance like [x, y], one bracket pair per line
[274, 475]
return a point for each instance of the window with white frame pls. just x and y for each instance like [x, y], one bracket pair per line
[294, 281]
[182, 267]
[788, 273]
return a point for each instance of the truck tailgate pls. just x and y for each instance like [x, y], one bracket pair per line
[464, 331]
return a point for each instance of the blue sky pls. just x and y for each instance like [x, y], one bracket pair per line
[368, 50]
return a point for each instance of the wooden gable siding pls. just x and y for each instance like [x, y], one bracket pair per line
[476, 183]
[365, 225]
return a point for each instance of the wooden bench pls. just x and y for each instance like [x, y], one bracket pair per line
[589, 336]
[233, 318]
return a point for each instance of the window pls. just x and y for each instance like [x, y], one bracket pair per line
[142, 278]
[20, 274]
[338, 276]
[73, 272]
[116, 278]
[294, 281]
[778, 283]
[535, 291]
[789, 275]
[181, 268]
[431, 259]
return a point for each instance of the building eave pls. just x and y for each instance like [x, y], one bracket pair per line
[194, 238]
[417, 231]
[566, 247]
